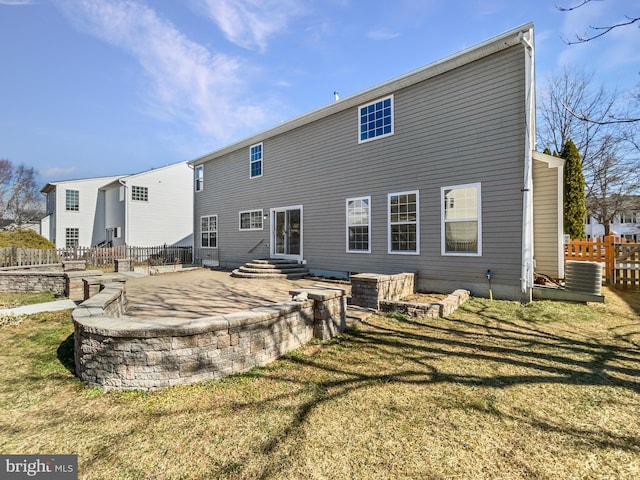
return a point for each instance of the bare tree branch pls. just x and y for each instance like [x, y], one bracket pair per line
[603, 30]
[569, 9]
[614, 120]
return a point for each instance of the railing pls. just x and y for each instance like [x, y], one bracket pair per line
[620, 258]
[96, 256]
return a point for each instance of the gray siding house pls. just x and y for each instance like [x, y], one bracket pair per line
[431, 172]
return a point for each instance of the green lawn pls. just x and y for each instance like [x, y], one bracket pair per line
[497, 390]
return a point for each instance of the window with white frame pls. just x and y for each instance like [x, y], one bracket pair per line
[461, 220]
[140, 194]
[209, 231]
[255, 155]
[199, 177]
[375, 119]
[72, 200]
[72, 237]
[358, 224]
[251, 220]
[404, 226]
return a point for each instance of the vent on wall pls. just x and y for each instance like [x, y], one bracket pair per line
[583, 277]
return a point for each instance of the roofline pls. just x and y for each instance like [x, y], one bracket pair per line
[49, 186]
[464, 57]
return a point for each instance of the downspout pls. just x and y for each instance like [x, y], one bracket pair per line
[526, 274]
[126, 212]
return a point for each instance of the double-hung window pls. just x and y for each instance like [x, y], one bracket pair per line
[461, 220]
[404, 225]
[72, 237]
[199, 177]
[255, 160]
[209, 231]
[375, 119]
[251, 220]
[358, 225]
[72, 200]
[140, 194]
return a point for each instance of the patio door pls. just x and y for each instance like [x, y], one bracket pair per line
[286, 233]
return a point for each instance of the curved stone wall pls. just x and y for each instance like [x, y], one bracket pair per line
[114, 350]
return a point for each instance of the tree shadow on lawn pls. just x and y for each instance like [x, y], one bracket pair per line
[551, 355]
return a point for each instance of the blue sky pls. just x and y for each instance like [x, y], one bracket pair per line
[109, 87]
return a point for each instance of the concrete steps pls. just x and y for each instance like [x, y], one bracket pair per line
[271, 269]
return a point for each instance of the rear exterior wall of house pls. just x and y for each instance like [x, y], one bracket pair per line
[463, 126]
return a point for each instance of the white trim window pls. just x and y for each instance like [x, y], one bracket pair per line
[209, 231]
[255, 160]
[359, 225]
[251, 220]
[461, 227]
[72, 200]
[375, 120]
[72, 237]
[404, 225]
[198, 174]
[139, 194]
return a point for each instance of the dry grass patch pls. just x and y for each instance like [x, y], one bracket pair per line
[498, 390]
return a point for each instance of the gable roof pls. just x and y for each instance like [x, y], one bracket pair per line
[481, 50]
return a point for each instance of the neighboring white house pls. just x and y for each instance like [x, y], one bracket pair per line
[151, 208]
[626, 225]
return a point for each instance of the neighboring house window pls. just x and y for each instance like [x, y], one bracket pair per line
[199, 176]
[140, 193]
[117, 232]
[72, 237]
[255, 154]
[251, 220]
[461, 220]
[73, 200]
[358, 224]
[404, 228]
[209, 231]
[375, 119]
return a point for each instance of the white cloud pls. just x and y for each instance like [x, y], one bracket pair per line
[382, 35]
[57, 172]
[187, 81]
[250, 23]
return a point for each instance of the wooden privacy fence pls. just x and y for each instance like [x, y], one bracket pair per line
[96, 256]
[620, 258]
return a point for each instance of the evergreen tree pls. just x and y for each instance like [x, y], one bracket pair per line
[575, 209]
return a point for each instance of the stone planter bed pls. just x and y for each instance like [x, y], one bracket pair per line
[426, 305]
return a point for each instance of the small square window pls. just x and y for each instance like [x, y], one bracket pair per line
[72, 237]
[376, 120]
[140, 194]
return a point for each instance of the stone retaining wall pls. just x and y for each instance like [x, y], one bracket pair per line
[33, 281]
[116, 351]
[432, 310]
[368, 289]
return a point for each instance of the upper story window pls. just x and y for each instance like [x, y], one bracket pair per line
[358, 224]
[375, 119]
[140, 193]
[251, 220]
[461, 220]
[209, 231]
[72, 200]
[404, 228]
[199, 177]
[255, 154]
